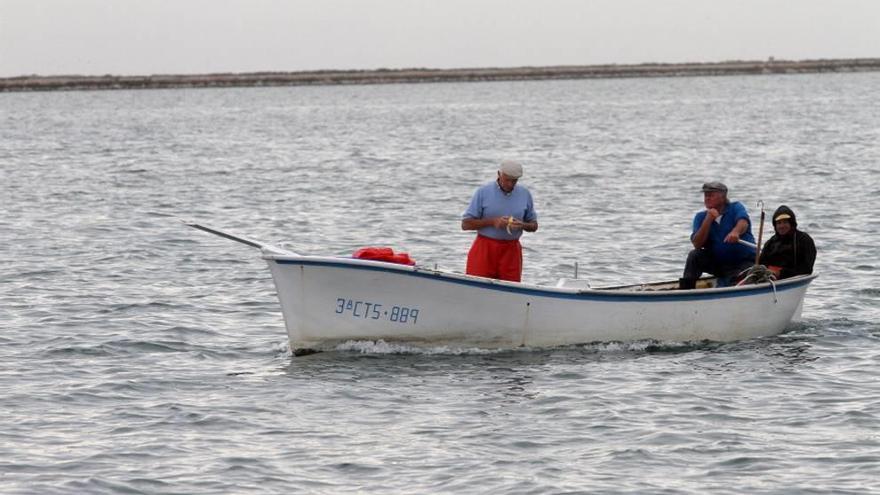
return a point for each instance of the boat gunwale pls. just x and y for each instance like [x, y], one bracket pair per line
[617, 293]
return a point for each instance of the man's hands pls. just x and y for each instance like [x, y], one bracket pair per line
[738, 229]
[712, 214]
[509, 224]
[732, 237]
[702, 234]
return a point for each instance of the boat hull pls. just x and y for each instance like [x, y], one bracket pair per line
[327, 301]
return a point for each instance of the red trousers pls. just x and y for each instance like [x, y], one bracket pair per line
[493, 258]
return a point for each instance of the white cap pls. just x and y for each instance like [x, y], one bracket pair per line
[511, 169]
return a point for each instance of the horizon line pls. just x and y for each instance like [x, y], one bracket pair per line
[439, 69]
[771, 65]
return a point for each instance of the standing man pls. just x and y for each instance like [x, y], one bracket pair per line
[499, 211]
[717, 231]
[790, 251]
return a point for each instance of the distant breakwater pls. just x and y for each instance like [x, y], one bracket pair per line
[397, 76]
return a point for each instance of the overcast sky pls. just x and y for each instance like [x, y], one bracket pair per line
[50, 37]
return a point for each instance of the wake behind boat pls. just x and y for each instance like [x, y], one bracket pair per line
[330, 300]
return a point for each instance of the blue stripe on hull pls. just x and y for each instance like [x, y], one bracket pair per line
[590, 294]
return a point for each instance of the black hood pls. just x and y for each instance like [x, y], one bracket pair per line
[784, 209]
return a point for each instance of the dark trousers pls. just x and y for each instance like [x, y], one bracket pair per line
[700, 261]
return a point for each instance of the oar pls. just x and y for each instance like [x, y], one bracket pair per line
[227, 235]
[747, 243]
[244, 240]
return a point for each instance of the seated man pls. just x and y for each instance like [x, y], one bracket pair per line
[716, 234]
[790, 251]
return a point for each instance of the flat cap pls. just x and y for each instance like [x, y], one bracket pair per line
[714, 187]
[511, 169]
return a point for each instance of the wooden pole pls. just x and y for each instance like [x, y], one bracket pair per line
[760, 233]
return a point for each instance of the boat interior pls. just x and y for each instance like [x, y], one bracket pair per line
[581, 283]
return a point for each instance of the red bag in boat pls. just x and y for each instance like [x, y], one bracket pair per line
[383, 254]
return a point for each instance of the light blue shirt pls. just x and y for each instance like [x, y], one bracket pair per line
[490, 201]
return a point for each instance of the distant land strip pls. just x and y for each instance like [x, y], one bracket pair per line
[396, 76]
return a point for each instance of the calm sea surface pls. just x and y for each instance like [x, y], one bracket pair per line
[140, 356]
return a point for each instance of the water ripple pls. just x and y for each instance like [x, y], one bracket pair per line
[142, 357]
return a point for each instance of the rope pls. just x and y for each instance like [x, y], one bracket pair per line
[758, 274]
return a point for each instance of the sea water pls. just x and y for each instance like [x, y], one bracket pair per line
[141, 356]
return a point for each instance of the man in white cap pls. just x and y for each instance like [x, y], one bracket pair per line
[499, 211]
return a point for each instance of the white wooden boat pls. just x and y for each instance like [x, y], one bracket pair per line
[330, 300]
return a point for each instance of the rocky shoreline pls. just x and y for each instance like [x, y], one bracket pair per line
[396, 76]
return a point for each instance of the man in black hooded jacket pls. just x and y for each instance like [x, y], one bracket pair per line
[789, 252]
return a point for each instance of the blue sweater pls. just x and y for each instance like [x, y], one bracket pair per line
[725, 253]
